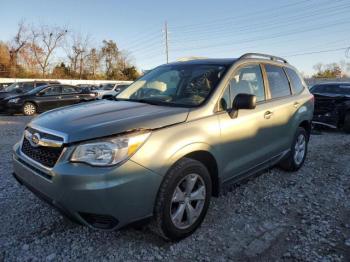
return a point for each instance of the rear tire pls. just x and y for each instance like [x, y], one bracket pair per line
[298, 151]
[182, 201]
[29, 109]
[347, 122]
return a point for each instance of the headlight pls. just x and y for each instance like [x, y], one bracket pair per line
[13, 100]
[108, 152]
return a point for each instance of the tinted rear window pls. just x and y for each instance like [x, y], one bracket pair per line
[295, 80]
[278, 81]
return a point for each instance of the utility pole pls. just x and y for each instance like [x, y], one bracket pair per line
[166, 41]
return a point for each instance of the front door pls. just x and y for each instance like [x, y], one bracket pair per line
[48, 98]
[245, 139]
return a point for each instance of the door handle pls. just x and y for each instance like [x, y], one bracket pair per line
[296, 104]
[268, 114]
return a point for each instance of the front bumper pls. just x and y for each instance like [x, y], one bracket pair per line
[328, 119]
[104, 198]
[10, 107]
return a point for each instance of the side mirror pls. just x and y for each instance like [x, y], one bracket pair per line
[242, 101]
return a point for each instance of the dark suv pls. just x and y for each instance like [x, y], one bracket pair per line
[46, 97]
[332, 105]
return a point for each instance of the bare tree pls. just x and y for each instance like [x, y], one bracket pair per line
[110, 53]
[16, 45]
[318, 67]
[77, 53]
[44, 41]
[94, 61]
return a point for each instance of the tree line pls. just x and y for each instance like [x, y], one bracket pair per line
[56, 52]
[332, 70]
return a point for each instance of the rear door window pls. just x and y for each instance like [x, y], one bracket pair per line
[69, 90]
[278, 81]
[295, 80]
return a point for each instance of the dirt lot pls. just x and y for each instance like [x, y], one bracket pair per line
[302, 216]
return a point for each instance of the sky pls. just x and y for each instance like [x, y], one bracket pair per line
[305, 32]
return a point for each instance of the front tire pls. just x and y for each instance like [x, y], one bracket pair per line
[183, 200]
[29, 109]
[298, 151]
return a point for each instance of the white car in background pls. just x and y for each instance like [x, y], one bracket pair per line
[110, 89]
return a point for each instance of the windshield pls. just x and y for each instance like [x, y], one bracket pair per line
[37, 89]
[332, 89]
[11, 87]
[185, 85]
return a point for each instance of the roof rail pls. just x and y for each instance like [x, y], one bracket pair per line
[271, 57]
[189, 58]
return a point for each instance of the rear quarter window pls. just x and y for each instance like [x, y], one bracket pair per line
[295, 80]
[278, 81]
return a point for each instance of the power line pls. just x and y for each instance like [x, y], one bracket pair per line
[277, 35]
[251, 28]
[268, 10]
[260, 17]
[319, 52]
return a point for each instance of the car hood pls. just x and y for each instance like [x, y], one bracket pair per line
[4, 95]
[103, 118]
[332, 95]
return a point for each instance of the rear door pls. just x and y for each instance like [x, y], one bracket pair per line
[69, 96]
[281, 107]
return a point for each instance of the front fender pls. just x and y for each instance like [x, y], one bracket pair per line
[194, 147]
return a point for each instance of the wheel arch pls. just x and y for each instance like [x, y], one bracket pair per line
[306, 124]
[205, 154]
[209, 161]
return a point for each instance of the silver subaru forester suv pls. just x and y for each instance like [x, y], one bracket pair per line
[168, 143]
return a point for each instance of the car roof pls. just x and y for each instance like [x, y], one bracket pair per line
[333, 83]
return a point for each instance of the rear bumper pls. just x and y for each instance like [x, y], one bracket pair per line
[103, 198]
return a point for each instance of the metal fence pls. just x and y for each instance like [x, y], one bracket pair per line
[63, 81]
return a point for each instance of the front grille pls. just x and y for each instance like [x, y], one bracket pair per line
[46, 156]
[324, 105]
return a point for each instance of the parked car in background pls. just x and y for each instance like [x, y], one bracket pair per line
[107, 91]
[44, 98]
[18, 88]
[22, 87]
[91, 87]
[332, 105]
[3, 85]
[172, 140]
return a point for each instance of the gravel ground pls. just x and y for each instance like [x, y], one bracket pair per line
[278, 216]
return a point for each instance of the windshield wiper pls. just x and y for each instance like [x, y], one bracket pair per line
[152, 102]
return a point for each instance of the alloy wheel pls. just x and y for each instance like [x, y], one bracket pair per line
[188, 201]
[300, 149]
[29, 109]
